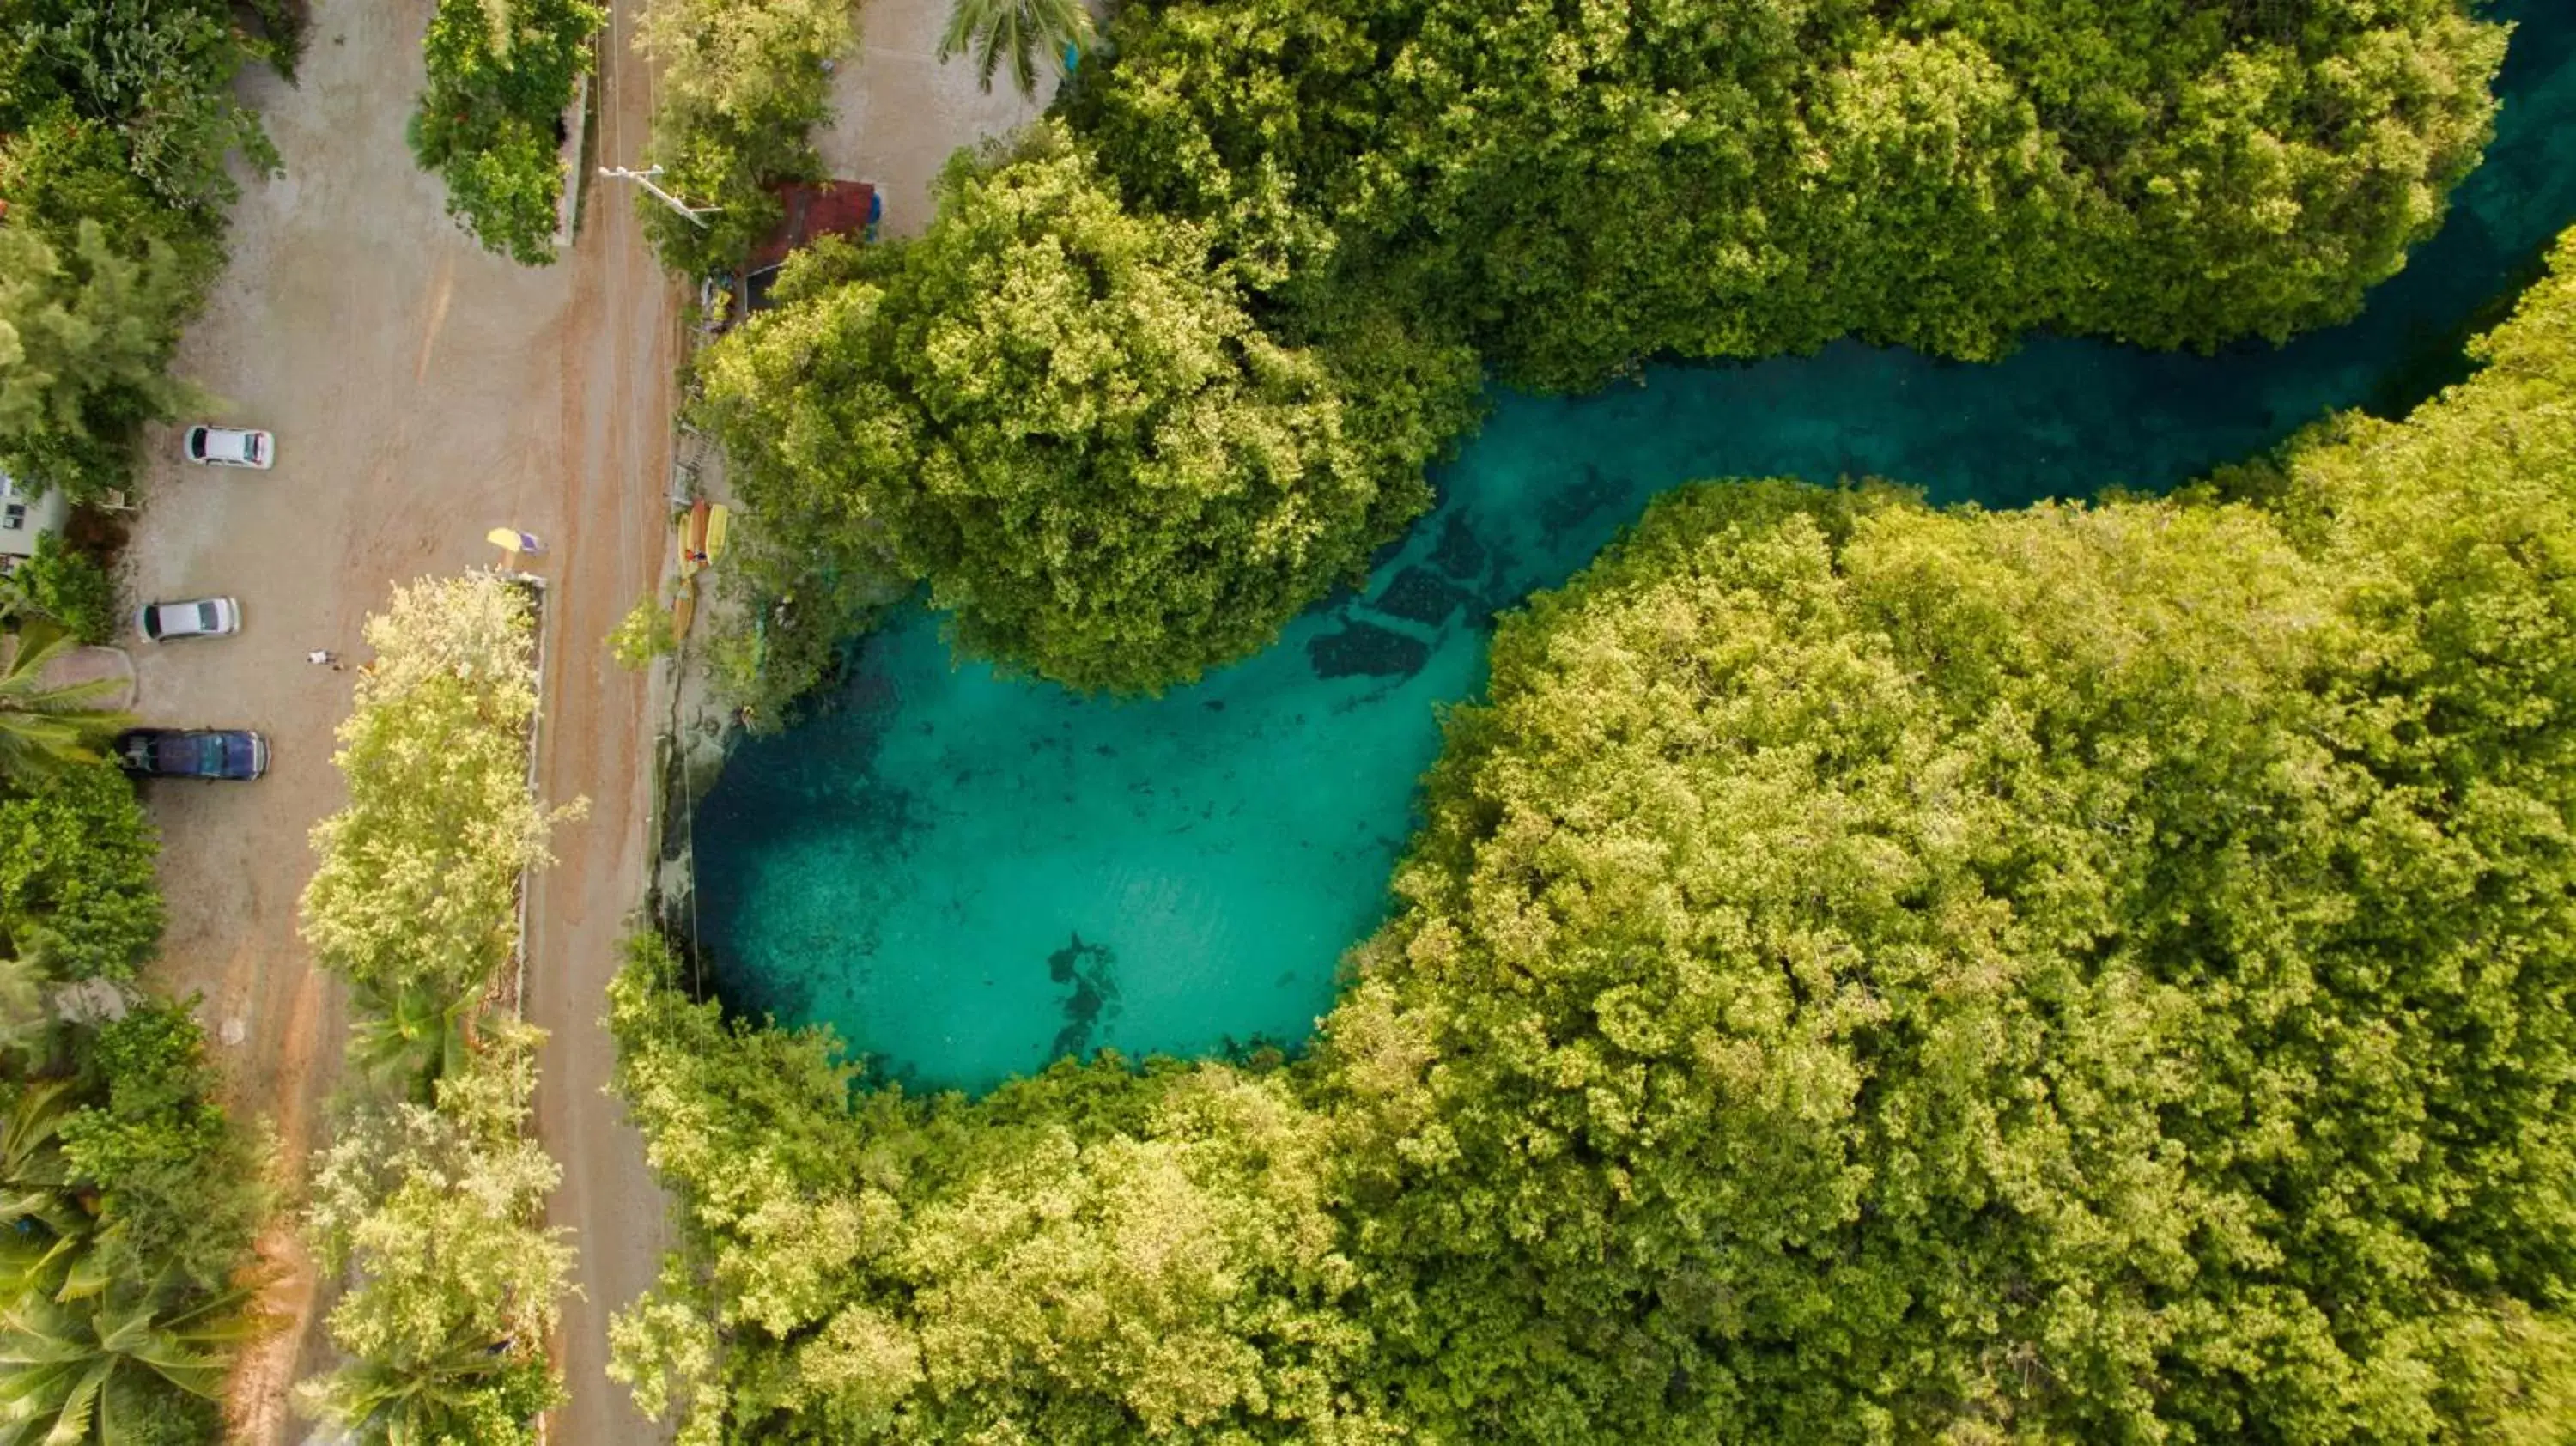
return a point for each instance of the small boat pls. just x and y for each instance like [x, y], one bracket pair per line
[693, 539]
[684, 607]
[719, 520]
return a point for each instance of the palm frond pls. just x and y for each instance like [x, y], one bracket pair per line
[44, 727]
[1017, 31]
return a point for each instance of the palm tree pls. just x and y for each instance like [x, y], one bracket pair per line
[35, 1183]
[410, 1036]
[1017, 29]
[84, 1371]
[401, 1402]
[47, 727]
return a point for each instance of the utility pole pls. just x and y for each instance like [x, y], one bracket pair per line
[644, 178]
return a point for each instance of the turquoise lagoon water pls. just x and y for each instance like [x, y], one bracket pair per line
[969, 877]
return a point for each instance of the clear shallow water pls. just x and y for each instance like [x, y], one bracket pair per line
[969, 877]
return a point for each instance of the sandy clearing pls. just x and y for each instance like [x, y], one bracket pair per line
[899, 114]
[422, 391]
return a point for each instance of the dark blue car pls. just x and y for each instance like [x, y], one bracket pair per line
[192, 752]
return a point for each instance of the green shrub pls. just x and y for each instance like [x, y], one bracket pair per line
[742, 86]
[77, 888]
[70, 587]
[643, 635]
[159, 75]
[182, 1187]
[490, 122]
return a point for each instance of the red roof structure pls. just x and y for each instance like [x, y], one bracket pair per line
[832, 208]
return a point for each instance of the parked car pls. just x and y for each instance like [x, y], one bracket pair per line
[231, 447]
[192, 753]
[205, 617]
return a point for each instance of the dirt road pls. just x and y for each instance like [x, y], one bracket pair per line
[595, 741]
[422, 392]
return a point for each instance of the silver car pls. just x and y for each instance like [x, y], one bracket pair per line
[207, 617]
[231, 447]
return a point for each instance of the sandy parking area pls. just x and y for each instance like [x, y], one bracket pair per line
[899, 114]
[422, 392]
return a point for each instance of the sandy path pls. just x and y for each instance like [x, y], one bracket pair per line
[594, 742]
[422, 392]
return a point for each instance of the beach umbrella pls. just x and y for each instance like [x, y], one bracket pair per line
[513, 542]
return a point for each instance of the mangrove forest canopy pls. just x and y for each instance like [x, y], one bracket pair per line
[1165, 372]
[1868, 973]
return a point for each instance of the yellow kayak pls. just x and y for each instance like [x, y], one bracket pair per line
[693, 540]
[719, 518]
[684, 607]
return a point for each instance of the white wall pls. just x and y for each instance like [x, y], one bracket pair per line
[23, 521]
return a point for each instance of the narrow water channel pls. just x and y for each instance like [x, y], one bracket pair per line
[969, 877]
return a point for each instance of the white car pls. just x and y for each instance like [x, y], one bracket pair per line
[231, 447]
[207, 617]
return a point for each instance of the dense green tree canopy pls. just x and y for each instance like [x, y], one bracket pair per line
[178, 1190]
[127, 1200]
[1060, 415]
[1868, 974]
[76, 884]
[1081, 1258]
[1142, 393]
[85, 329]
[76, 325]
[741, 86]
[435, 1211]
[491, 121]
[2085, 972]
[128, 1204]
[431, 1196]
[1588, 185]
[154, 75]
[434, 1206]
[419, 876]
[116, 121]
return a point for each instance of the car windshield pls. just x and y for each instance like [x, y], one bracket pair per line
[200, 753]
[176, 755]
[207, 618]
